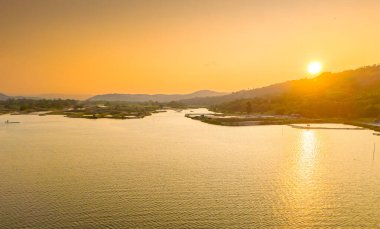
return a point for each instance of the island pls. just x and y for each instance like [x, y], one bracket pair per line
[84, 109]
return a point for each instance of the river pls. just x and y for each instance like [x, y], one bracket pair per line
[169, 171]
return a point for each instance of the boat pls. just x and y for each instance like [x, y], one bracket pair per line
[377, 134]
[8, 122]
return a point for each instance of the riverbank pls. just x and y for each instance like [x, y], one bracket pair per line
[81, 109]
[104, 114]
[97, 112]
[255, 120]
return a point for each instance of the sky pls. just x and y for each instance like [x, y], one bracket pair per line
[178, 46]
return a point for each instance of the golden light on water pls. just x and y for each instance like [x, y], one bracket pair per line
[308, 148]
[314, 68]
[304, 181]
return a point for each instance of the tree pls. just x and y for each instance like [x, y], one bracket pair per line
[248, 107]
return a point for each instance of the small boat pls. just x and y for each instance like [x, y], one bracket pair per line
[377, 134]
[8, 122]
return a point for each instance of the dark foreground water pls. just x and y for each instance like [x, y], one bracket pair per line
[171, 172]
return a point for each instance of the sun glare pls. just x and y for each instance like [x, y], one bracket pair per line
[314, 68]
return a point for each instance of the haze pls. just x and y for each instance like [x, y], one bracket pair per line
[90, 47]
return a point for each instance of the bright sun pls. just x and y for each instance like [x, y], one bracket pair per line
[314, 68]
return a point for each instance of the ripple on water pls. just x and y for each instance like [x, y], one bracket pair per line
[172, 172]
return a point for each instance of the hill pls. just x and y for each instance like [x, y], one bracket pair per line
[365, 79]
[3, 97]
[156, 97]
[57, 96]
[353, 93]
[274, 89]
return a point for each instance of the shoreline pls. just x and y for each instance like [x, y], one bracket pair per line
[87, 115]
[260, 120]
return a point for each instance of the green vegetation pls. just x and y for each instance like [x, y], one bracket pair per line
[84, 109]
[313, 106]
[24, 106]
[350, 95]
[116, 110]
[242, 120]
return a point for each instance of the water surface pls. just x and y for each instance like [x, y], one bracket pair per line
[170, 171]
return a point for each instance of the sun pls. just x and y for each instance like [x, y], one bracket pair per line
[314, 68]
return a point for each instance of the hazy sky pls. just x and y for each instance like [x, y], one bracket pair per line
[178, 46]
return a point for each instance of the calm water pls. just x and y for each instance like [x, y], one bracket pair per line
[169, 171]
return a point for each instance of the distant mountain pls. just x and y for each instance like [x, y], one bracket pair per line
[25, 97]
[3, 97]
[62, 96]
[243, 94]
[37, 97]
[156, 97]
[362, 80]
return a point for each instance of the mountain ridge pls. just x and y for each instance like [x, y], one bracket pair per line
[3, 97]
[154, 97]
[361, 79]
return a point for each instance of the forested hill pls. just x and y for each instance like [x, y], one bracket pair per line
[353, 82]
[354, 93]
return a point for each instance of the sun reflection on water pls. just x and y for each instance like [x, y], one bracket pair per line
[302, 194]
[307, 154]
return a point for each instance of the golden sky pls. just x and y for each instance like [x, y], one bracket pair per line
[178, 46]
